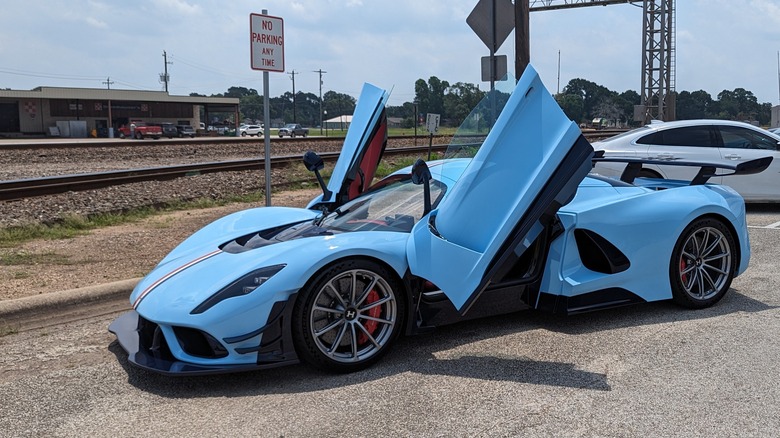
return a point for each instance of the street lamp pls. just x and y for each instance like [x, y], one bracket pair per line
[325, 121]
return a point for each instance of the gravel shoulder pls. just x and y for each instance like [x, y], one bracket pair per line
[113, 253]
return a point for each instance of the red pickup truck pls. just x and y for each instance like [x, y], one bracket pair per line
[140, 130]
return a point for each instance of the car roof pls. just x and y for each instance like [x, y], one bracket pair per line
[658, 125]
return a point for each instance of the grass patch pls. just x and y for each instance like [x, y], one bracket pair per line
[391, 164]
[73, 226]
[29, 259]
[7, 330]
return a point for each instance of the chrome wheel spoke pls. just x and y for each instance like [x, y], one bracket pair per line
[379, 320]
[376, 303]
[329, 327]
[353, 340]
[334, 292]
[368, 335]
[367, 290]
[339, 337]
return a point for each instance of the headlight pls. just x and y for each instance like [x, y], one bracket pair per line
[243, 286]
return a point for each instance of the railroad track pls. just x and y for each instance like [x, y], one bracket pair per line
[28, 188]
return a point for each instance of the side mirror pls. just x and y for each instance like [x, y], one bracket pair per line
[313, 163]
[422, 175]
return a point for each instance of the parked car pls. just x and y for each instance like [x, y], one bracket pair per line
[255, 130]
[169, 130]
[519, 226]
[293, 130]
[775, 131]
[140, 130]
[700, 140]
[185, 131]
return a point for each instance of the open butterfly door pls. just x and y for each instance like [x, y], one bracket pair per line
[529, 165]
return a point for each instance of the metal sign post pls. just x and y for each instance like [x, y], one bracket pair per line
[432, 124]
[267, 54]
[492, 21]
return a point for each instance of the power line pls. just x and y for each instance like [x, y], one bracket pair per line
[321, 73]
[292, 76]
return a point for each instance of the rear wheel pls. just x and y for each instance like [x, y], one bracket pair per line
[647, 173]
[348, 316]
[703, 263]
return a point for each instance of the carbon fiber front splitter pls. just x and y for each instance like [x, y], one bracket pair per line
[125, 327]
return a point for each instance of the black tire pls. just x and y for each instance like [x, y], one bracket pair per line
[647, 173]
[305, 134]
[292, 135]
[139, 136]
[703, 263]
[243, 134]
[335, 329]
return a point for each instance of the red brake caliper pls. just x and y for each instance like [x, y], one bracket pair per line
[374, 312]
[684, 276]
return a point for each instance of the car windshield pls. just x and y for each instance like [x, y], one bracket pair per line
[393, 205]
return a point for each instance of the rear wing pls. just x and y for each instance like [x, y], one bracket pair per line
[706, 169]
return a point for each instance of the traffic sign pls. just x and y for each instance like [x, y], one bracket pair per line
[484, 24]
[266, 42]
[432, 123]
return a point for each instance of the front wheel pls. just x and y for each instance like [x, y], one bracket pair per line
[703, 263]
[348, 316]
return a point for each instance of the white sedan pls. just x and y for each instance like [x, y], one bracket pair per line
[700, 140]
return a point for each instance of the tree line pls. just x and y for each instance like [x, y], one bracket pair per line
[581, 100]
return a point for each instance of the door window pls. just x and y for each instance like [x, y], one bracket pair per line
[742, 138]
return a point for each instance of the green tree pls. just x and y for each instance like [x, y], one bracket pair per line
[459, 100]
[337, 104]
[573, 106]
[430, 95]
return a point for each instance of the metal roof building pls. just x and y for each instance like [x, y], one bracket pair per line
[45, 110]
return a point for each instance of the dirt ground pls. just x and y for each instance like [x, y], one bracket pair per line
[110, 254]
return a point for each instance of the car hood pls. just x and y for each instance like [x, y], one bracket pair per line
[204, 264]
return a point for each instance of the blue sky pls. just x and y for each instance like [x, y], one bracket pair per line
[721, 44]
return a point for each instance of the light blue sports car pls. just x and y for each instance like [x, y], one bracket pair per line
[510, 220]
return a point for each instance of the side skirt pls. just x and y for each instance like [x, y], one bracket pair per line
[597, 300]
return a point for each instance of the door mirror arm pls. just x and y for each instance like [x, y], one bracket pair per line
[422, 175]
[314, 163]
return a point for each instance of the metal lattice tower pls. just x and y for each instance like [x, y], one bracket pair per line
[658, 51]
[658, 60]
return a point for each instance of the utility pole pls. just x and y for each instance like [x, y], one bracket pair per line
[108, 82]
[321, 73]
[164, 78]
[292, 76]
